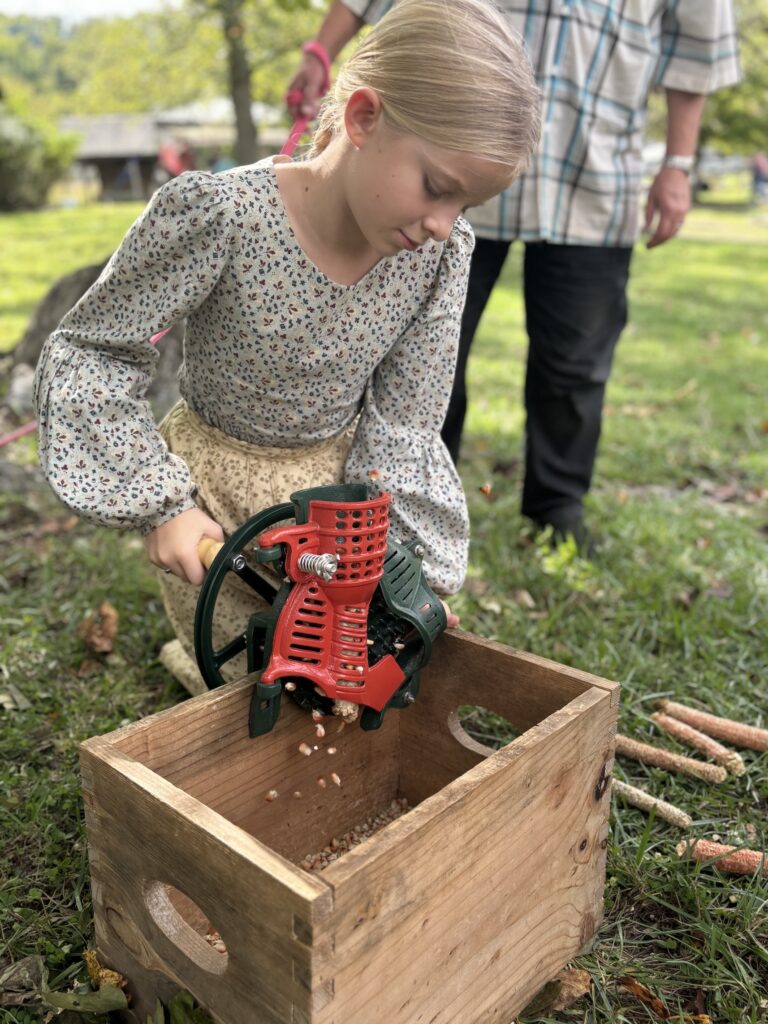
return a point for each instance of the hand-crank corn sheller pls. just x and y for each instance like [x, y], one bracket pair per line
[353, 620]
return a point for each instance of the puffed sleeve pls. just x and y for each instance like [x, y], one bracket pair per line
[699, 51]
[100, 448]
[398, 434]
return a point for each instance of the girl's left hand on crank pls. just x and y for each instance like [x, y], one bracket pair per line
[172, 547]
[453, 620]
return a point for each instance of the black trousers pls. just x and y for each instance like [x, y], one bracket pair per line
[576, 308]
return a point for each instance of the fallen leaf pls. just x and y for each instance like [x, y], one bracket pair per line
[53, 526]
[99, 629]
[726, 492]
[108, 998]
[474, 586]
[560, 993]
[87, 667]
[487, 491]
[22, 704]
[687, 597]
[688, 388]
[719, 588]
[102, 975]
[644, 994]
[702, 543]
[642, 412]
[22, 982]
[524, 599]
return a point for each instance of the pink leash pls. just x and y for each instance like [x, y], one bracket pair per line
[295, 96]
[298, 128]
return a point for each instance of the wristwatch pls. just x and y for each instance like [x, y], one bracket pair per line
[678, 163]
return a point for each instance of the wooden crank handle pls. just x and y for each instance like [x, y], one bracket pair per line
[207, 549]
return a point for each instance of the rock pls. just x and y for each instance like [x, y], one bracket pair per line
[164, 390]
[19, 396]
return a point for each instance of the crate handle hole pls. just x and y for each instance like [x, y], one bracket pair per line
[480, 730]
[182, 922]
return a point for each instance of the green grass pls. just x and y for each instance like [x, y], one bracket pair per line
[674, 603]
[38, 248]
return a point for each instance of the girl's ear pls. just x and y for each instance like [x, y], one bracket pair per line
[361, 115]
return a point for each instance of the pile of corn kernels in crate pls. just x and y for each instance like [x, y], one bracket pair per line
[341, 845]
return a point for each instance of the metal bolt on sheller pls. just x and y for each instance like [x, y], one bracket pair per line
[419, 551]
[237, 562]
[324, 566]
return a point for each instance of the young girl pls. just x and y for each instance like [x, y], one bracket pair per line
[323, 300]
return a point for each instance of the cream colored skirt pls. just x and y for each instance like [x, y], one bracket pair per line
[235, 480]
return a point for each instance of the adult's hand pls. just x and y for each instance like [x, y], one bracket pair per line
[669, 199]
[308, 84]
[172, 547]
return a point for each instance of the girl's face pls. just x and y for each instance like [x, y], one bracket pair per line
[404, 192]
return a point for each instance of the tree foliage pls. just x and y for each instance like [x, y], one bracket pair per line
[735, 119]
[32, 157]
[152, 60]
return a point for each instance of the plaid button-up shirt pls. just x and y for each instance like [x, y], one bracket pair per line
[596, 62]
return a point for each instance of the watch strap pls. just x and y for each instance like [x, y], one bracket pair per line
[679, 163]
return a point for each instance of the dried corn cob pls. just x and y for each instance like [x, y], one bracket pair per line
[737, 733]
[730, 858]
[646, 802]
[667, 759]
[729, 759]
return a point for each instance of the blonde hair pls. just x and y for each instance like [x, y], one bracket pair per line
[452, 72]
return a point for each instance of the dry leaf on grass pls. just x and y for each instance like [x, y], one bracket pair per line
[644, 994]
[560, 993]
[99, 629]
[102, 975]
[21, 982]
[12, 699]
[87, 667]
[55, 526]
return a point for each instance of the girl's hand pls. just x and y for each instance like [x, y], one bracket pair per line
[453, 620]
[172, 547]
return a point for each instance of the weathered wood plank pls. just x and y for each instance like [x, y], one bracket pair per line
[454, 914]
[457, 912]
[205, 750]
[144, 832]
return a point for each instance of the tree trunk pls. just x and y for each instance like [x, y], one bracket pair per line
[239, 81]
[163, 391]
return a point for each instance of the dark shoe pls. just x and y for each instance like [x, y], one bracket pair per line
[586, 543]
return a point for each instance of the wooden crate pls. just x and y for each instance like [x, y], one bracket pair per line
[459, 911]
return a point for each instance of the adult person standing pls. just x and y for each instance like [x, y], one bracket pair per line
[577, 207]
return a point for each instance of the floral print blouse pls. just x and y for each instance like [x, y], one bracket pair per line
[275, 354]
